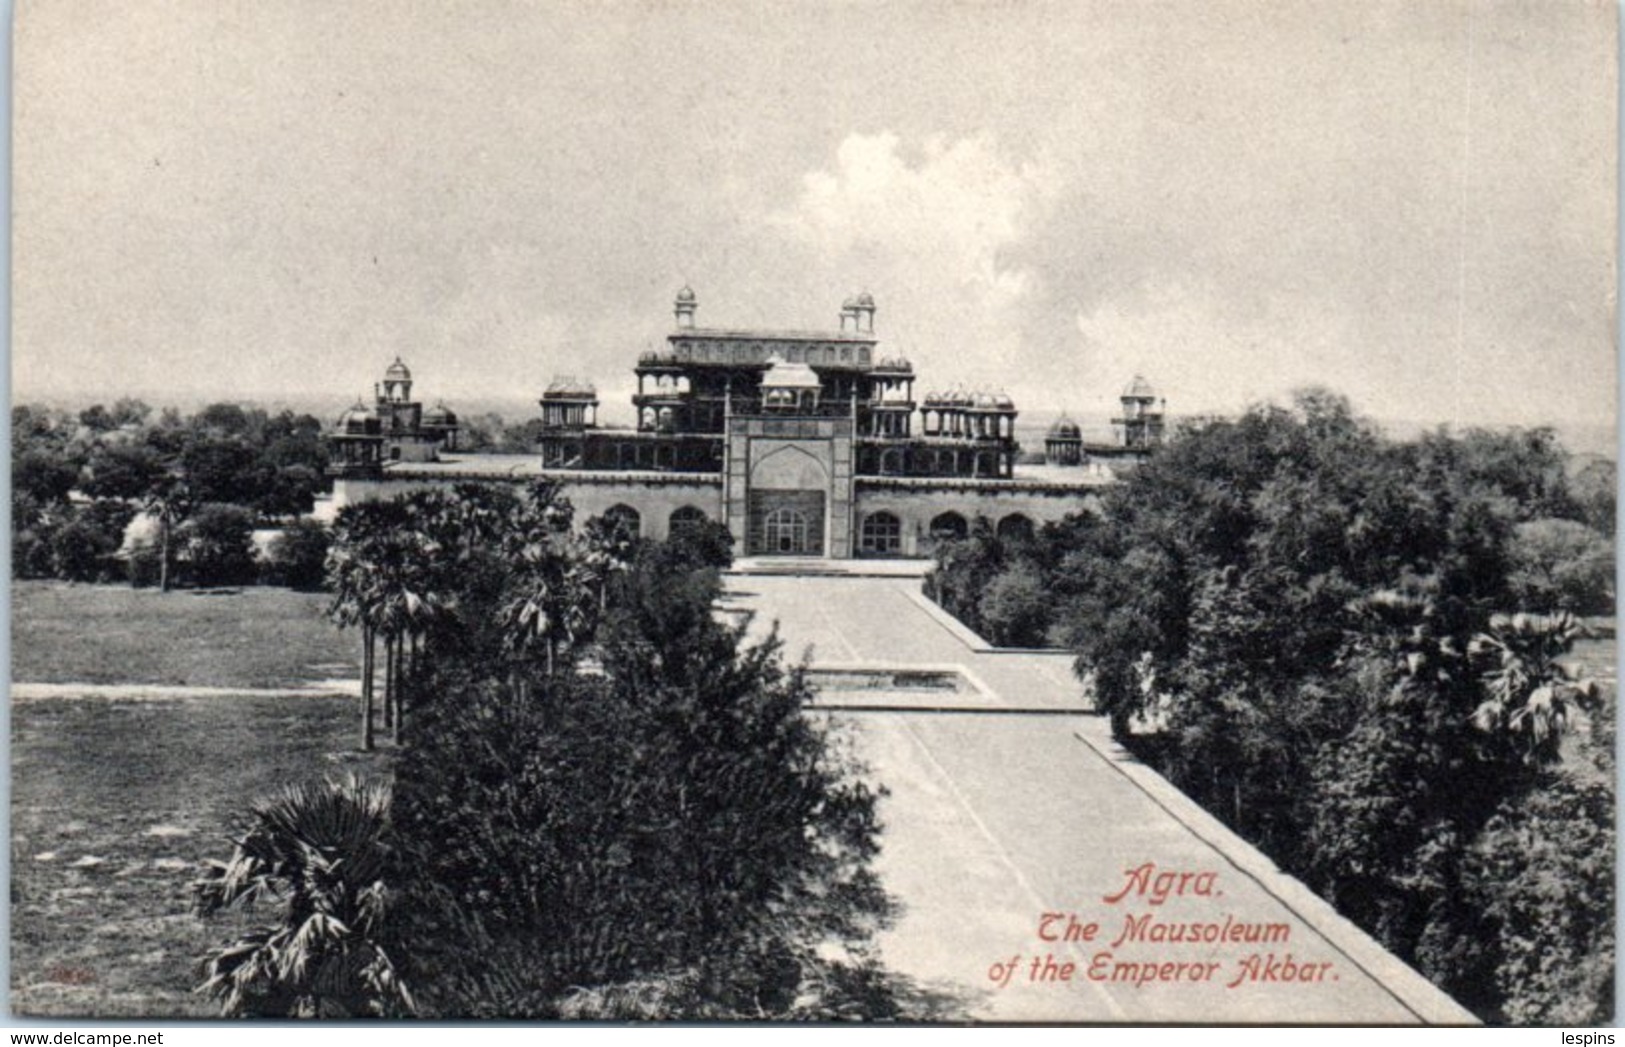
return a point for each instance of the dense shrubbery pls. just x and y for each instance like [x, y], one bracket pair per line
[1298, 621]
[607, 804]
[68, 471]
[297, 557]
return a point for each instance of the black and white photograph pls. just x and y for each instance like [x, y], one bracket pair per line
[1033, 512]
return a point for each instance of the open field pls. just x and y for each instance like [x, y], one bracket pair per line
[255, 637]
[114, 802]
[1597, 657]
[113, 805]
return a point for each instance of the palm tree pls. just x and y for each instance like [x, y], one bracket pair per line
[544, 605]
[474, 515]
[606, 549]
[322, 853]
[352, 605]
[354, 562]
[409, 602]
[169, 501]
[1528, 690]
[1405, 630]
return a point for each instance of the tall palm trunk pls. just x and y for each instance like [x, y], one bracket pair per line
[400, 690]
[391, 643]
[367, 645]
[163, 555]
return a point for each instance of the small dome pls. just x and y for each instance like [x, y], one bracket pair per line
[686, 295]
[781, 374]
[648, 356]
[570, 389]
[984, 400]
[439, 415]
[933, 399]
[850, 303]
[1065, 429]
[356, 419]
[1139, 389]
[866, 300]
[1003, 402]
[398, 372]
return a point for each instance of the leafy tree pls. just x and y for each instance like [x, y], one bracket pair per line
[96, 418]
[964, 568]
[1561, 565]
[1015, 607]
[287, 491]
[1529, 467]
[225, 420]
[703, 543]
[298, 556]
[80, 550]
[169, 435]
[129, 411]
[322, 854]
[670, 824]
[548, 606]
[1594, 491]
[1543, 874]
[111, 516]
[44, 475]
[1295, 620]
[122, 471]
[217, 545]
[31, 425]
[222, 470]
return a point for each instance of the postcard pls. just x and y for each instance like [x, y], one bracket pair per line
[1048, 512]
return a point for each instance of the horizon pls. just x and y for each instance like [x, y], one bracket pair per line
[1578, 438]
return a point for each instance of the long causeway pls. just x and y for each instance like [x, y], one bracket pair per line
[1043, 874]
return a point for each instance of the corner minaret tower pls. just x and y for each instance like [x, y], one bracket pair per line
[865, 313]
[1141, 424]
[396, 388]
[684, 307]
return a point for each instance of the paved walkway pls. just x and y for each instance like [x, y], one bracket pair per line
[1017, 804]
[140, 692]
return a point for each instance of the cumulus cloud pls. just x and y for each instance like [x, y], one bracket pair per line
[959, 203]
[932, 226]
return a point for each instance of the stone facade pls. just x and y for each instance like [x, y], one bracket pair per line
[801, 443]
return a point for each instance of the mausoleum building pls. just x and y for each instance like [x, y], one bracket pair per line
[804, 443]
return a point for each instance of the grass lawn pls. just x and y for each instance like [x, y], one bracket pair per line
[1596, 658]
[254, 637]
[115, 802]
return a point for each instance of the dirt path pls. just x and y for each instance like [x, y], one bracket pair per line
[154, 692]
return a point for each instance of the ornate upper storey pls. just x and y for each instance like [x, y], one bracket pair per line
[687, 391]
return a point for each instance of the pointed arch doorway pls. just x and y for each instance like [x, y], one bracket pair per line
[786, 523]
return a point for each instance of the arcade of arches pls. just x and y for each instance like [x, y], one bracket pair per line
[881, 533]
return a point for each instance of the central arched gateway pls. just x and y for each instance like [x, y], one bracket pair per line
[787, 501]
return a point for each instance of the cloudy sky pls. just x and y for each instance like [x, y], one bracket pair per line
[1412, 203]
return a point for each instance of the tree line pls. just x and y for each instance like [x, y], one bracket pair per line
[604, 802]
[1357, 651]
[204, 482]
